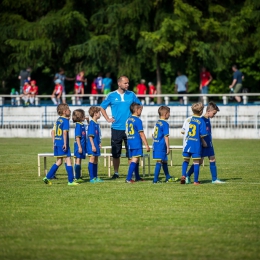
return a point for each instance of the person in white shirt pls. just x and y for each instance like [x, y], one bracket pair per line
[181, 85]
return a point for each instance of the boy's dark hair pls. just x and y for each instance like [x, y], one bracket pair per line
[163, 110]
[78, 115]
[197, 108]
[61, 108]
[92, 110]
[212, 106]
[134, 106]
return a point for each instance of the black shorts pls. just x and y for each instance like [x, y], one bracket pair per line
[117, 138]
[181, 92]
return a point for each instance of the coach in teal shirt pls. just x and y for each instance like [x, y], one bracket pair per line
[120, 102]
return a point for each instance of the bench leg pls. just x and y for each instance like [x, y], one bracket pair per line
[171, 157]
[109, 165]
[144, 166]
[45, 165]
[149, 165]
[39, 166]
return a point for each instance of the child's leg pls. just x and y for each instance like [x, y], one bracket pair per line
[54, 168]
[166, 170]
[196, 171]
[185, 165]
[69, 170]
[77, 168]
[213, 168]
[137, 175]
[132, 168]
[157, 171]
[91, 167]
[190, 171]
[95, 167]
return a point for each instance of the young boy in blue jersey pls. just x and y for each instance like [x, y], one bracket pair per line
[193, 142]
[207, 148]
[94, 144]
[61, 145]
[161, 146]
[135, 140]
[80, 149]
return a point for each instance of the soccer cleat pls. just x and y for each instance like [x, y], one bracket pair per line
[115, 176]
[131, 181]
[155, 182]
[73, 183]
[187, 180]
[183, 179]
[217, 181]
[172, 179]
[141, 179]
[93, 180]
[78, 180]
[196, 183]
[98, 179]
[47, 181]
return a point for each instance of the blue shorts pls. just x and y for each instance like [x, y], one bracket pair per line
[79, 155]
[160, 155]
[135, 153]
[91, 153]
[191, 155]
[59, 152]
[208, 151]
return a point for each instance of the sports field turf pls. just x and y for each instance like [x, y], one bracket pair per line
[115, 220]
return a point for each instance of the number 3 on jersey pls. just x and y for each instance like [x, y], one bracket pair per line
[130, 129]
[192, 130]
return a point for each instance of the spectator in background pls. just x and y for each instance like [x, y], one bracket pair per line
[94, 91]
[107, 83]
[57, 92]
[152, 91]
[25, 74]
[34, 92]
[62, 77]
[141, 90]
[15, 94]
[181, 85]
[236, 85]
[26, 92]
[205, 79]
[79, 87]
[99, 85]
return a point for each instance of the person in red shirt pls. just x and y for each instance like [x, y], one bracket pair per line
[205, 79]
[94, 91]
[26, 92]
[152, 91]
[34, 91]
[141, 90]
[56, 94]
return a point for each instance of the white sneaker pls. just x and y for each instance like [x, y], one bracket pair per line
[217, 181]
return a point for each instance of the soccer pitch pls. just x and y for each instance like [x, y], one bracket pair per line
[115, 220]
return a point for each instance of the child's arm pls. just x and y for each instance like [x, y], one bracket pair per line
[143, 137]
[166, 138]
[204, 144]
[79, 144]
[52, 136]
[92, 144]
[65, 134]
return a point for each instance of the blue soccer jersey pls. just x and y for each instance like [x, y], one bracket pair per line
[80, 131]
[94, 131]
[161, 130]
[120, 107]
[62, 124]
[208, 137]
[197, 129]
[134, 126]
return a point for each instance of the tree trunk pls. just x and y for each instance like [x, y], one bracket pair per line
[159, 82]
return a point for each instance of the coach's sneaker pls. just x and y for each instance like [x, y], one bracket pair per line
[217, 181]
[187, 180]
[73, 183]
[131, 181]
[115, 176]
[172, 179]
[47, 181]
[98, 179]
[183, 180]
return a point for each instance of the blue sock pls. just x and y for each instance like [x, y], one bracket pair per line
[52, 171]
[166, 171]
[131, 169]
[95, 168]
[196, 172]
[184, 168]
[213, 170]
[157, 171]
[69, 170]
[137, 175]
[91, 170]
[190, 171]
[77, 169]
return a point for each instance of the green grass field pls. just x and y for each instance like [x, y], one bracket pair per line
[115, 220]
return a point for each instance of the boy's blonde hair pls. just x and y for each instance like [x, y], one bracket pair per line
[162, 110]
[212, 106]
[61, 108]
[92, 110]
[134, 106]
[78, 115]
[197, 108]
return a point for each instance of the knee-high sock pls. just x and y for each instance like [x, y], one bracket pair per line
[213, 170]
[52, 171]
[91, 170]
[131, 169]
[196, 172]
[190, 171]
[166, 171]
[77, 169]
[95, 169]
[69, 170]
[137, 175]
[184, 168]
[157, 171]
